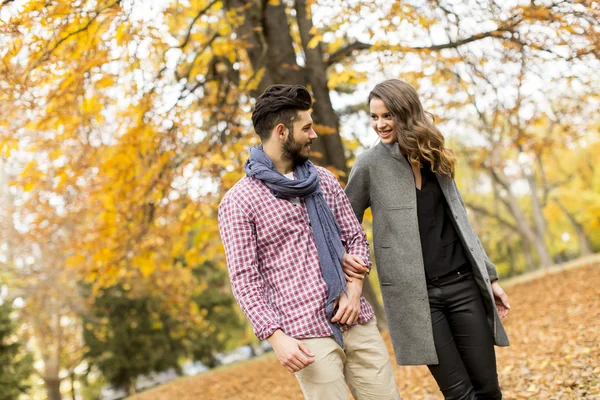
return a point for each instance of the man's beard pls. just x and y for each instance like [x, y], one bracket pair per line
[292, 150]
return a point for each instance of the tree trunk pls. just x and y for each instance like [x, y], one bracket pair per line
[538, 212]
[585, 248]
[53, 388]
[51, 353]
[323, 113]
[529, 260]
[538, 243]
[129, 388]
[73, 396]
[511, 260]
[522, 225]
[272, 48]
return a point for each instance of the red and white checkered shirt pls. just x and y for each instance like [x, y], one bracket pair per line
[272, 258]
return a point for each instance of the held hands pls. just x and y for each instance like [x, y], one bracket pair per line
[292, 353]
[353, 267]
[348, 305]
[501, 300]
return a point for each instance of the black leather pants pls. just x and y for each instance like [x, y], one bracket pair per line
[463, 340]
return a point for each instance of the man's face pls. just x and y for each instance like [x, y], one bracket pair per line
[296, 146]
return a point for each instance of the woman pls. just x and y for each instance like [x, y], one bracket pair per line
[440, 290]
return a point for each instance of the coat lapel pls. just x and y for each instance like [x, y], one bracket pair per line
[393, 150]
[444, 185]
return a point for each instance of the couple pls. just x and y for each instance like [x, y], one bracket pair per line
[297, 254]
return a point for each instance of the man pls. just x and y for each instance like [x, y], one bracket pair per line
[287, 227]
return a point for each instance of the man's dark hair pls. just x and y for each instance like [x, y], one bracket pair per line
[279, 104]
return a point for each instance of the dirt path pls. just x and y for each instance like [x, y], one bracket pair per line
[554, 328]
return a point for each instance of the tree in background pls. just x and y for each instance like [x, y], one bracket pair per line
[189, 72]
[33, 270]
[15, 361]
[520, 132]
[129, 332]
[508, 94]
[125, 122]
[127, 337]
[225, 324]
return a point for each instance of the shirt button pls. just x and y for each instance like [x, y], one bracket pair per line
[455, 216]
[472, 249]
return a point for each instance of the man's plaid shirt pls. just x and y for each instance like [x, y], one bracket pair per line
[272, 258]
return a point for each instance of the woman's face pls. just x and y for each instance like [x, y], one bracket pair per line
[381, 121]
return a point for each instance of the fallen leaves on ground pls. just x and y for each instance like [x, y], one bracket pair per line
[554, 327]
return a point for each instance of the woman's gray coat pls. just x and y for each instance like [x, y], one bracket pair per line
[383, 180]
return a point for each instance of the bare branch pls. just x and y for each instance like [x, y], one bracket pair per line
[189, 30]
[204, 48]
[344, 52]
[496, 33]
[74, 33]
[484, 211]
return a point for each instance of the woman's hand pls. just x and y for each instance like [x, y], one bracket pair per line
[501, 300]
[353, 267]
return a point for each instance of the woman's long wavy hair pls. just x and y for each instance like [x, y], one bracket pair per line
[416, 132]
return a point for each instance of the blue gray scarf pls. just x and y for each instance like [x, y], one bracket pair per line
[324, 226]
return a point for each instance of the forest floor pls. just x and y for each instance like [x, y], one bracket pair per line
[554, 328]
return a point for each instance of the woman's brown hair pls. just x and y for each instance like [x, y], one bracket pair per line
[416, 132]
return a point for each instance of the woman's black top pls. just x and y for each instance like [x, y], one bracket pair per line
[443, 251]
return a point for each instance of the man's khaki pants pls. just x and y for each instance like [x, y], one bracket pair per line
[364, 365]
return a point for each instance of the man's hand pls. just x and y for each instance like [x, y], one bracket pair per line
[292, 353]
[353, 267]
[349, 305]
[501, 300]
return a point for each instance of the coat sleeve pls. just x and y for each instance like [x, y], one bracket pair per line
[491, 268]
[358, 188]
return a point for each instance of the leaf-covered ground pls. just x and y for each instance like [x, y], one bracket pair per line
[554, 326]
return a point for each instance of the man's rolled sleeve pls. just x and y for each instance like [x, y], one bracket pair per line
[238, 235]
